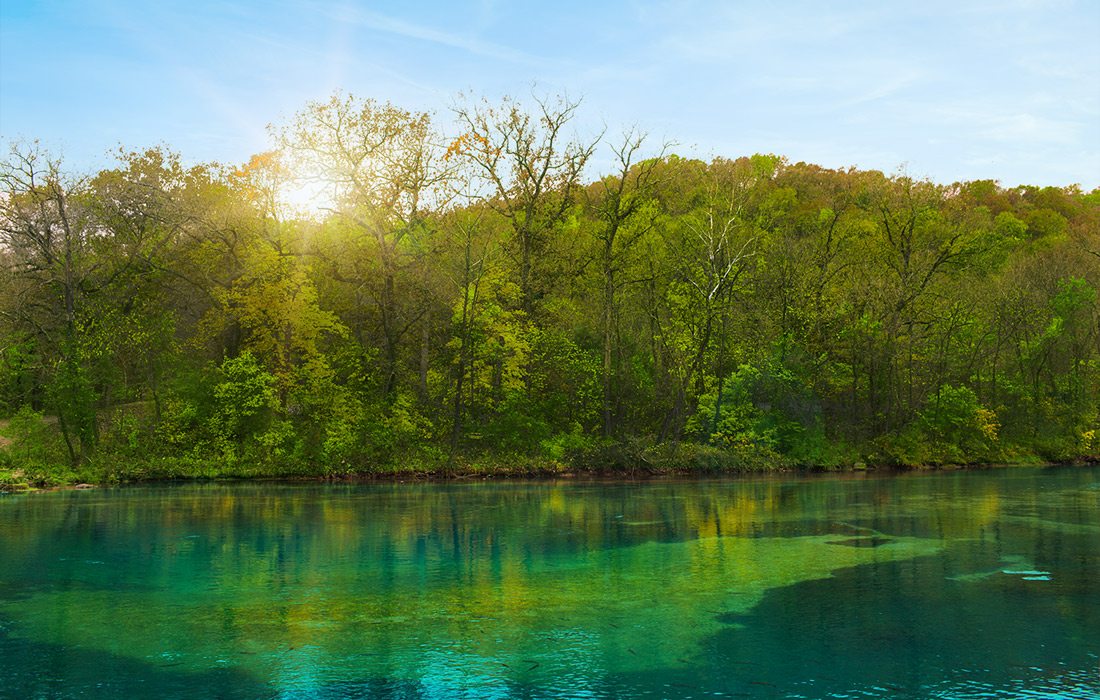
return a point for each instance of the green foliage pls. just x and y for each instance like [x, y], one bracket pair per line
[399, 430]
[517, 426]
[564, 380]
[1008, 228]
[72, 397]
[559, 446]
[179, 423]
[341, 447]
[36, 445]
[279, 442]
[768, 410]
[126, 434]
[1045, 224]
[1074, 296]
[17, 377]
[956, 428]
[243, 400]
[673, 315]
[645, 456]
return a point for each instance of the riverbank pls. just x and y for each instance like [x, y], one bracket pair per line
[95, 475]
[101, 471]
[31, 458]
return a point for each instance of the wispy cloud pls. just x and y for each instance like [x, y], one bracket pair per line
[398, 27]
[1029, 127]
[885, 87]
[1004, 125]
[709, 31]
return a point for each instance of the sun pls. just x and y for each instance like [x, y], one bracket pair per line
[283, 190]
[301, 198]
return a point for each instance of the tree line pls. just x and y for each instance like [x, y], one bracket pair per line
[378, 292]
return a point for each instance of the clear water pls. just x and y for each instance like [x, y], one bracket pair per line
[954, 585]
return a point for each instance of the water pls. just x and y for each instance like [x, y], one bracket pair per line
[955, 585]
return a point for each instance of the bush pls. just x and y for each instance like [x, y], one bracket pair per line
[34, 440]
[244, 399]
[953, 428]
[634, 455]
[765, 411]
[558, 446]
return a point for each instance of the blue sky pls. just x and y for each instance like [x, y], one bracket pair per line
[1001, 89]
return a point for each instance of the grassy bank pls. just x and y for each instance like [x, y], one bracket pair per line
[105, 468]
[32, 455]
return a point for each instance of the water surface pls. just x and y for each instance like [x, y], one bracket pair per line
[953, 585]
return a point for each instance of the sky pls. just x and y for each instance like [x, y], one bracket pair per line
[949, 90]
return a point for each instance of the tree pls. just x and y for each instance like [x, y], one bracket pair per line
[920, 239]
[625, 207]
[717, 243]
[48, 232]
[387, 175]
[531, 171]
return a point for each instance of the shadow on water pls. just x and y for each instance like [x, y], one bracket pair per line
[831, 638]
[36, 670]
[31, 670]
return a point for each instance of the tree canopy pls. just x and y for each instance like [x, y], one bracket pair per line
[471, 294]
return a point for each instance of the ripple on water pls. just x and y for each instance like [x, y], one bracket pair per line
[810, 588]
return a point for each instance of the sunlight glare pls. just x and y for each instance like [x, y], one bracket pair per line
[305, 199]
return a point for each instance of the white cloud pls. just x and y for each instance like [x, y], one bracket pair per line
[398, 27]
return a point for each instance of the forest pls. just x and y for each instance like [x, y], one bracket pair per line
[491, 291]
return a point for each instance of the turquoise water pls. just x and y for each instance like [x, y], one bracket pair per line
[978, 584]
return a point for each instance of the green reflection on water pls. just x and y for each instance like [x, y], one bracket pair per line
[549, 588]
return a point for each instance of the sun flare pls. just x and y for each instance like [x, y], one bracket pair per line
[305, 199]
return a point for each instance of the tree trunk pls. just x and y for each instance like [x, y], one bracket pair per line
[608, 339]
[425, 353]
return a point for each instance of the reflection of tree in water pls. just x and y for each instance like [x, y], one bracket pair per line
[522, 584]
